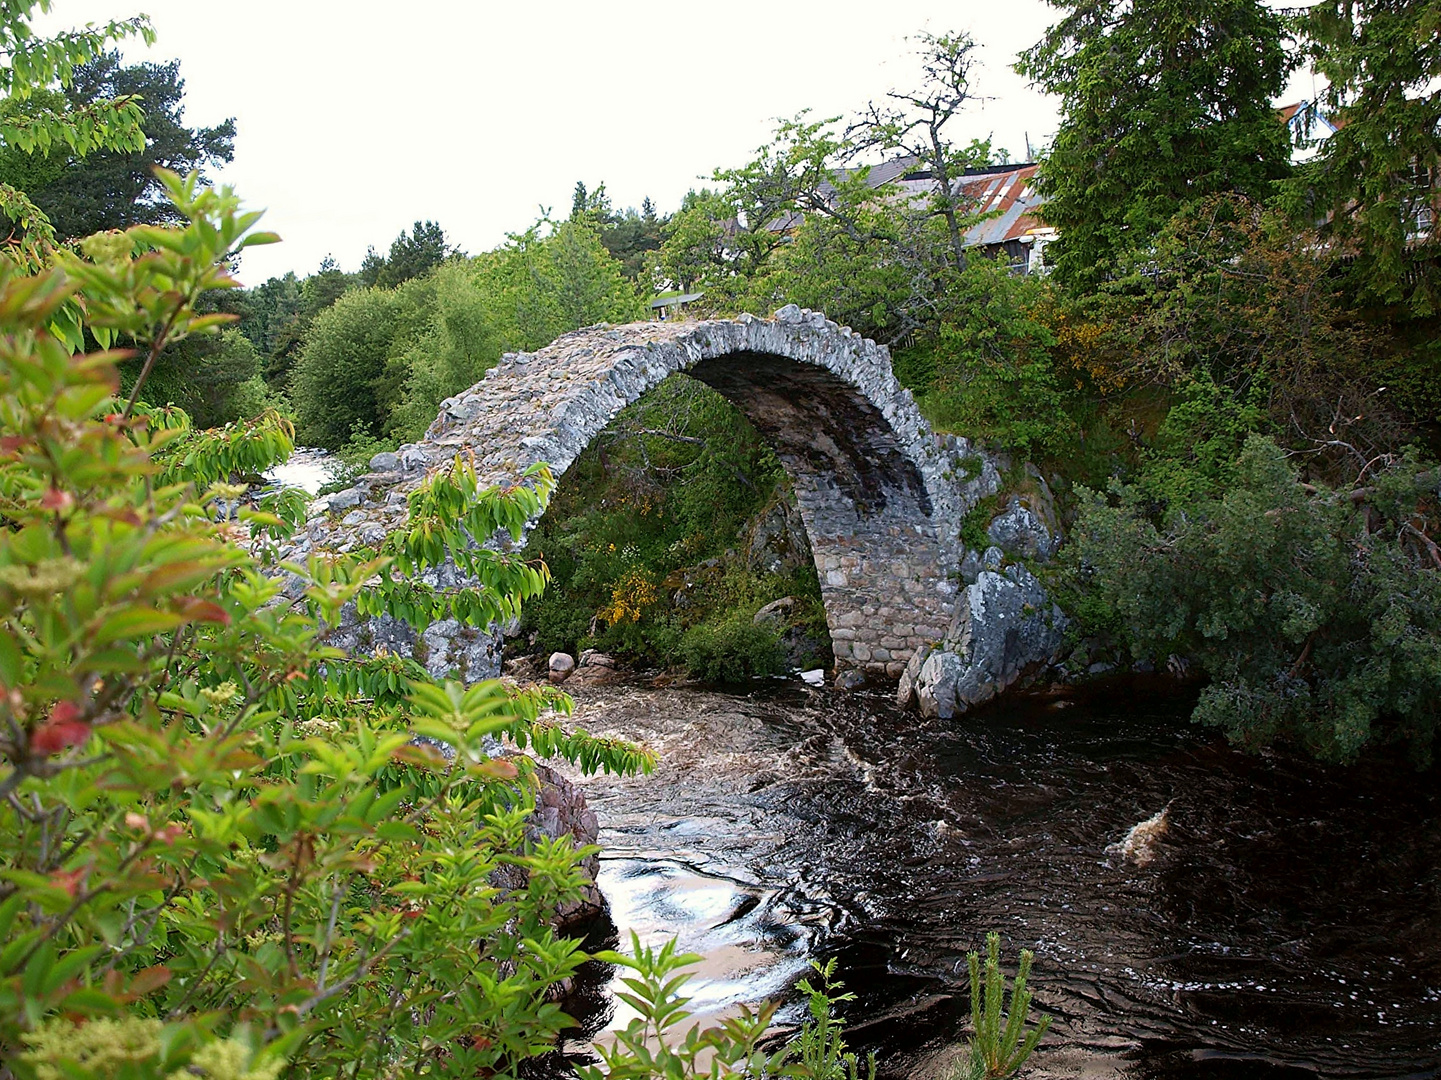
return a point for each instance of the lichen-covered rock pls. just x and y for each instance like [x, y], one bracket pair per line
[1020, 533]
[1007, 627]
[937, 684]
[910, 677]
[776, 612]
[446, 649]
[344, 500]
[776, 539]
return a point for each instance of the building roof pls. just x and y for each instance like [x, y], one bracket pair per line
[1011, 196]
[1005, 191]
[683, 298]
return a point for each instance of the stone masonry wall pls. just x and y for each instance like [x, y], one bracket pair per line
[882, 497]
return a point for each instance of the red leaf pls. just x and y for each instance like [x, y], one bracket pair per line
[151, 978]
[69, 880]
[65, 727]
[11, 444]
[56, 499]
[204, 611]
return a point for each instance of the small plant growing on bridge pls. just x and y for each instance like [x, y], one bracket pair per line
[1000, 1044]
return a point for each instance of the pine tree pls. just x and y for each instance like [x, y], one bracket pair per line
[1377, 180]
[1164, 101]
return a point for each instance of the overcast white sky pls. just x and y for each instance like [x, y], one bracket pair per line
[354, 119]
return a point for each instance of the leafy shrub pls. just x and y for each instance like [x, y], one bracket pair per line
[334, 384]
[1196, 448]
[1316, 613]
[732, 650]
[995, 378]
[818, 1051]
[221, 837]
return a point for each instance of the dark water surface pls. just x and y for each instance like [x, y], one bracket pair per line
[1289, 925]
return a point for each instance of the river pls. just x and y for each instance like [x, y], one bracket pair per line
[1290, 924]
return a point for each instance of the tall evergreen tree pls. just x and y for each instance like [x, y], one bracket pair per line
[1163, 101]
[412, 254]
[117, 188]
[1378, 179]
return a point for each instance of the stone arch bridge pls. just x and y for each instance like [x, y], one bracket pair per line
[881, 496]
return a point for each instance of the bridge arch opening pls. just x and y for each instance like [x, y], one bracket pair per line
[667, 534]
[847, 436]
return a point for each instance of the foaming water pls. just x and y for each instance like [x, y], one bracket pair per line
[1290, 918]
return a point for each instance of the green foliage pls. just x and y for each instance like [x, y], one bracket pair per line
[818, 1051]
[651, 1045]
[216, 379]
[462, 341]
[1163, 102]
[999, 1048]
[222, 848]
[633, 238]
[335, 384]
[412, 254]
[1195, 452]
[1377, 180]
[277, 315]
[732, 650]
[376, 363]
[36, 121]
[116, 188]
[797, 225]
[545, 284]
[994, 375]
[977, 520]
[1316, 613]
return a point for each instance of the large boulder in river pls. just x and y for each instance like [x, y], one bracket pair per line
[937, 683]
[1006, 628]
[561, 813]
